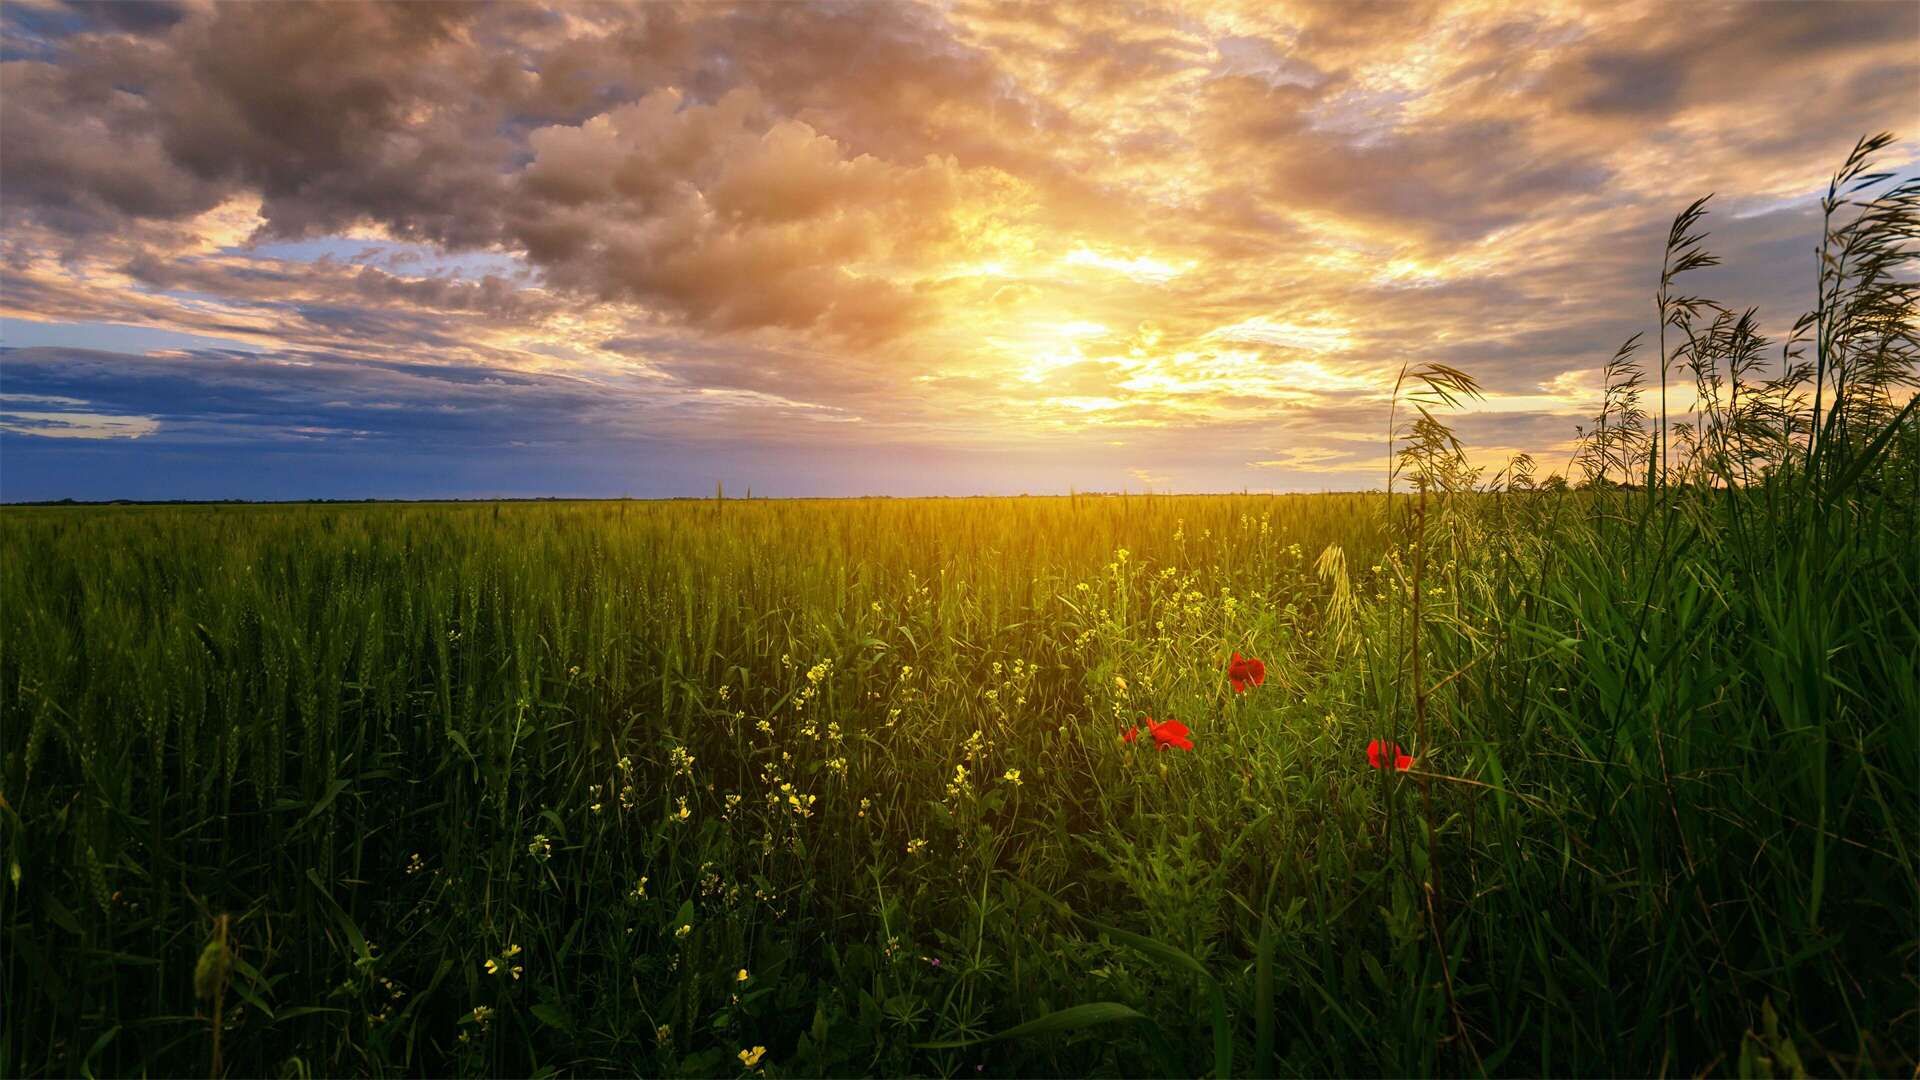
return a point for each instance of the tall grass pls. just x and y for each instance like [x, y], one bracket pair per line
[527, 788]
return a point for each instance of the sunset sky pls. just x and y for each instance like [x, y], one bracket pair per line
[267, 251]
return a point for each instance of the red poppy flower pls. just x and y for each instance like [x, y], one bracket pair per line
[1378, 753]
[1129, 735]
[1245, 672]
[1169, 733]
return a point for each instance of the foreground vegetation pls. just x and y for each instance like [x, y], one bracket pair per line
[842, 787]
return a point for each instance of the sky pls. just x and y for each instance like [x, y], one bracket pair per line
[424, 250]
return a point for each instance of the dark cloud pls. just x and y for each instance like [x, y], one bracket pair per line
[1633, 83]
[131, 16]
[83, 156]
[206, 396]
[1650, 68]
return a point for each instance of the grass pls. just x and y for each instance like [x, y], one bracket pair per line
[644, 787]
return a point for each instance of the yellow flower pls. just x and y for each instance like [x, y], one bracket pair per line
[683, 930]
[742, 976]
[493, 967]
[663, 1032]
[1012, 776]
[914, 847]
[752, 1057]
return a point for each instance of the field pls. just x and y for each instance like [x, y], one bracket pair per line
[1533, 780]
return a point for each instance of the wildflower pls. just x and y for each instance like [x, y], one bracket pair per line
[1129, 735]
[493, 966]
[640, 889]
[1378, 755]
[540, 848]
[683, 813]
[1012, 776]
[683, 930]
[482, 1014]
[751, 1058]
[916, 846]
[1169, 733]
[415, 865]
[663, 1032]
[742, 976]
[681, 760]
[1244, 672]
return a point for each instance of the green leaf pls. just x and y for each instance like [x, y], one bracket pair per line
[304, 1010]
[683, 917]
[1157, 949]
[1071, 1018]
[554, 1017]
[99, 1044]
[334, 788]
[357, 939]
[1222, 1034]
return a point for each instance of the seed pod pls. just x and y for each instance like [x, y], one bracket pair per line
[211, 972]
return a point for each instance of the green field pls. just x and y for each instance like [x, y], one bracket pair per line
[805, 788]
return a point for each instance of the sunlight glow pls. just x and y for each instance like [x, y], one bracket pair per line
[1138, 268]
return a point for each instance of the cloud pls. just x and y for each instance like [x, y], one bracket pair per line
[52, 416]
[734, 223]
[734, 219]
[1314, 459]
